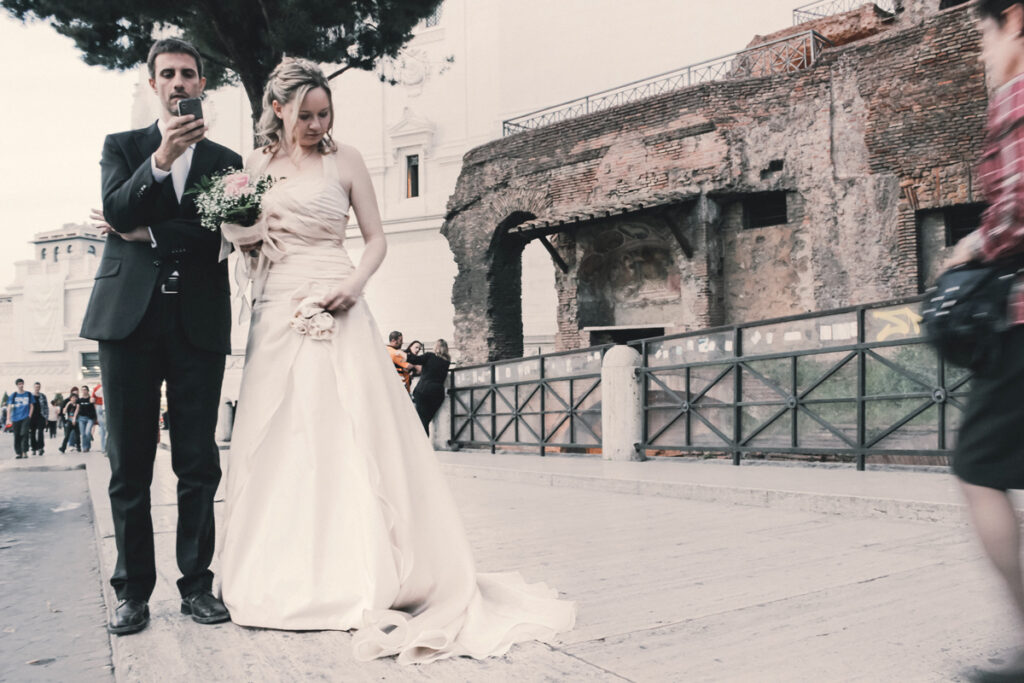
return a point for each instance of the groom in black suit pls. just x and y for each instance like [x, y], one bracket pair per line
[160, 309]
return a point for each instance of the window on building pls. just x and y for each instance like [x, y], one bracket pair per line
[90, 365]
[92, 248]
[412, 175]
[961, 220]
[764, 209]
[44, 254]
[56, 250]
[435, 18]
[68, 249]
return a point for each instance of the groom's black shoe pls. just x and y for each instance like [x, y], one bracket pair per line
[204, 608]
[130, 616]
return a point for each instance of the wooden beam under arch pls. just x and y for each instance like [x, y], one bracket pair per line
[559, 261]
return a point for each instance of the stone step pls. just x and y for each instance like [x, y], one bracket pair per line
[910, 494]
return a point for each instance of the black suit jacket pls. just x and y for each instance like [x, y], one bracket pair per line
[130, 273]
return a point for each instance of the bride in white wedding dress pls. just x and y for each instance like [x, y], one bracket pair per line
[338, 515]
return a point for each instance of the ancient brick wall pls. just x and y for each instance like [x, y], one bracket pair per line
[875, 132]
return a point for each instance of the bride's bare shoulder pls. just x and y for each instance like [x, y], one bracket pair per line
[348, 156]
[256, 157]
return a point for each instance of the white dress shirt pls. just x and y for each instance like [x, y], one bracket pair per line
[179, 168]
[179, 171]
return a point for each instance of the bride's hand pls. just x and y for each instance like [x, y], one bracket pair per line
[342, 298]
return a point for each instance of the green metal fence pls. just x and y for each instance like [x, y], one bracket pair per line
[854, 382]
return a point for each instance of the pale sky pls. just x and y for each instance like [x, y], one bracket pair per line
[57, 110]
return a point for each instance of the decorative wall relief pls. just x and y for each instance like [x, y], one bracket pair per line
[628, 274]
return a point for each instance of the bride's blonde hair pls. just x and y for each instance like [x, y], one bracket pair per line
[290, 81]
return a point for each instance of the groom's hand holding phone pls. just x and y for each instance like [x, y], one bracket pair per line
[182, 131]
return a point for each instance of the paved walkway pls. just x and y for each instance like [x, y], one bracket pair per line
[682, 571]
[51, 596]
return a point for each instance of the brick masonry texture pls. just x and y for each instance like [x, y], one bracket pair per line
[876, 131]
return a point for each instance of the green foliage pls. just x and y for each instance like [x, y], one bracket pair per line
[240, 40]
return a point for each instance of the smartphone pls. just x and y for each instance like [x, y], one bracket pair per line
[191, 105]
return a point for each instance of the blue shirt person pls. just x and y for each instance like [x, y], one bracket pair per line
[19, 410]
[21, 403]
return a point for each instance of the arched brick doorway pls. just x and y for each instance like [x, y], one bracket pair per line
[505, 289]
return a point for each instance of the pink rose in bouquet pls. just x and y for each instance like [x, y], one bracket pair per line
[235, 184]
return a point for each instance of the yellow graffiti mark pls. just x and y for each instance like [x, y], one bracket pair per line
[901, 323]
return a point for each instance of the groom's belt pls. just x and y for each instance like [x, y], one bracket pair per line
[170, 285]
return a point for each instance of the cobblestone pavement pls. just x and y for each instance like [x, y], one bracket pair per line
[52, 616]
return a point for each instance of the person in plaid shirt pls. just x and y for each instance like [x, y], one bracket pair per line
[989, 456]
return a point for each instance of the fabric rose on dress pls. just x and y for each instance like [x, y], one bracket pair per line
[311, 319]
[321, 325]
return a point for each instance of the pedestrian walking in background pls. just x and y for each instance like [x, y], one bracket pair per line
[414, 348]
[101, 417]
[429, 392]
[988, 458]
[85, 418]
[19, 408]
[67, 414]
[51, 420]
[394, 347]
[40, 416]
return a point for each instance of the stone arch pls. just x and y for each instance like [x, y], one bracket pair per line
[487, 289]
[505, 288]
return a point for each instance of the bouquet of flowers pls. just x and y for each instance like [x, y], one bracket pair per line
[230, 196]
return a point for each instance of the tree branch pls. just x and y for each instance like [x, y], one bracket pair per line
[213, 60]
[339, 72]
[266, 14]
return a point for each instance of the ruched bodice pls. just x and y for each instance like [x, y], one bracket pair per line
[302, 228]
[306, 211]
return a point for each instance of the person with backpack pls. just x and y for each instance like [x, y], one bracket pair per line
[988, 459]
[19, 407]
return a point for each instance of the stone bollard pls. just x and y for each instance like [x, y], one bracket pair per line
[621, 407]
[225, 421]
[441, 427]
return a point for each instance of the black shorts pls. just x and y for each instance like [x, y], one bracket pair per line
[990, 447]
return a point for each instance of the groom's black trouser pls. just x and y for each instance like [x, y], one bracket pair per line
[133, 370]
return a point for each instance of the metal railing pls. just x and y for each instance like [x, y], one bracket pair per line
[827, 8]
[853, 382]
[542, 402]
[785, 55]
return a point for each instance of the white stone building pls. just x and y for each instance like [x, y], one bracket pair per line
[41, 313]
